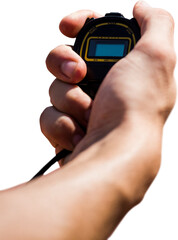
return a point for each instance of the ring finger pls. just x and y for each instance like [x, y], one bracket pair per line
[61, 130]
[71, 100]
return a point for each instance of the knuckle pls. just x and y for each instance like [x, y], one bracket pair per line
[62, 122]
[165, 15]
[54, 55]
[58, 129]
[171, 61]
[73, 96]
[163, 54]
[169, 102]
[63, 130]
[166, 58]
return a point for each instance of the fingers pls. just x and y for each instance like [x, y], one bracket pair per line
[60, 129]
[71, 25]
[71, 100]
[63, 123]
[62, 62]
[66, 65]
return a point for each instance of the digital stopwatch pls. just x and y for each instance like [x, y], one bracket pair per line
[101, 43]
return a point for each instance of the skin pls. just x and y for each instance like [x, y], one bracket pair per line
[118, 156]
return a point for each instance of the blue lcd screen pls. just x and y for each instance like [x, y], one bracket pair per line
[107, 48]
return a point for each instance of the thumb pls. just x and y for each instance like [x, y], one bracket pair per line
[156, 24]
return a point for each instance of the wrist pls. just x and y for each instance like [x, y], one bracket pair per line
[128, 154]
[130, 124]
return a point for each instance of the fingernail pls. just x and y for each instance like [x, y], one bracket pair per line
[68, 68]
[76, 139]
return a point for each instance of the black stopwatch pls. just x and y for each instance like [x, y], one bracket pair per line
[101, 43]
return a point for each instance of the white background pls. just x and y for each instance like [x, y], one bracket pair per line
[28, 31]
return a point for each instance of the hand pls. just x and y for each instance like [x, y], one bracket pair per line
[122, 143]
[140, 86]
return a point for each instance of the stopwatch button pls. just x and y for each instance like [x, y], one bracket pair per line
[114, 14]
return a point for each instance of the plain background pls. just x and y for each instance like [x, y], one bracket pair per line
[28, 31]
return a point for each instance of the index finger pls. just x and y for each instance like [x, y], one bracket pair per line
[71, 24]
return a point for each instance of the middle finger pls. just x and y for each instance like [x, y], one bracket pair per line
[70, 99]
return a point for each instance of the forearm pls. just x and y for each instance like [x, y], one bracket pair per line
[89, 196]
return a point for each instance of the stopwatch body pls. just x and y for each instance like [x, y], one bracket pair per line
[101, 43]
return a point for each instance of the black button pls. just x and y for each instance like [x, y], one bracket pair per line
[114, 14]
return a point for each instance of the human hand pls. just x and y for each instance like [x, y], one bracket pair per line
[141, 85]
[122, 143]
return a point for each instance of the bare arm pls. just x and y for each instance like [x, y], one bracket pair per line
[118, 158]
[89, 196]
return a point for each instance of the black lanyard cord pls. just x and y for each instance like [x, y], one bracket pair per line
[58, 157]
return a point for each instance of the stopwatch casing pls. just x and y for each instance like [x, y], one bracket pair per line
[101, 43]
